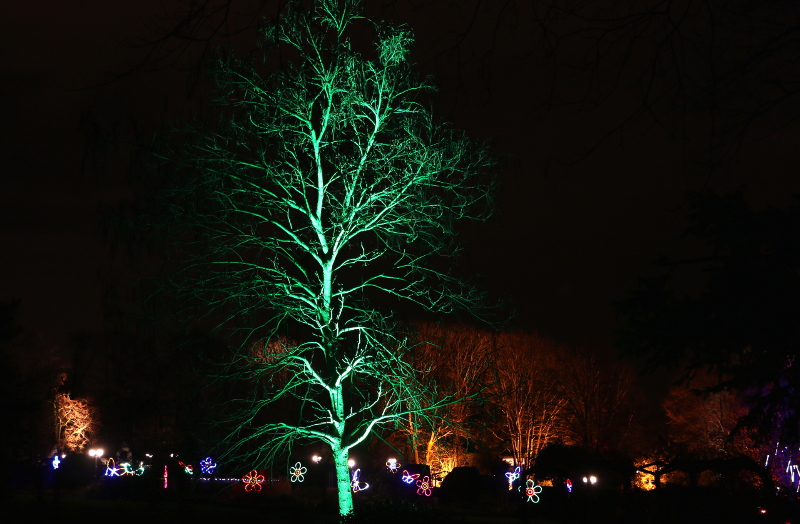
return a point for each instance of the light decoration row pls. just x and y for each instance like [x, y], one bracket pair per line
[532, 491]
[356, 484]
[512, 476]
[252, 481]
[298, 472]
[127, 469]
[166, 476]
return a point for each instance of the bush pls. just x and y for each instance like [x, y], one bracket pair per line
[394, 512]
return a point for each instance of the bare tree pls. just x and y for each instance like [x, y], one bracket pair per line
[458, 358]
[325, 188]
[529, 397]
[75, 422]
[599, 405]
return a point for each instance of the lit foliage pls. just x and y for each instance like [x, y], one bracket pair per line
[75, 422]
[207, 466]
[356, 483]
[409, 478]
[327, 185]
[297, 472]
[252, 481]
[532, 491]
[424, 486]
[512, 476]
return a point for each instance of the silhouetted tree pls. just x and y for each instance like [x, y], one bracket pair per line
[733, 315]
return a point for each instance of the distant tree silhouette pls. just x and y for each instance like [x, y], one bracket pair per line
[734, 315]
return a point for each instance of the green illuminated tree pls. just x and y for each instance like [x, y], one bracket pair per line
[319, 198]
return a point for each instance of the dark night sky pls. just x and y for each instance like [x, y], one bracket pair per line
[569, 239]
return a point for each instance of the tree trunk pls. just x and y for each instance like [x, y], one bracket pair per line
[343, 492]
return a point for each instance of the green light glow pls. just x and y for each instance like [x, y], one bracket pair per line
[329, 186]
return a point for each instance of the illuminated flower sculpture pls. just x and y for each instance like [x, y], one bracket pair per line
[207, 466]
[409, 478]
[424, 486]
[297, 472]
[252, 481]
[532, 491]
[512, 476]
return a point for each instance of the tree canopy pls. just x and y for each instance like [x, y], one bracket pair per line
[320, 188]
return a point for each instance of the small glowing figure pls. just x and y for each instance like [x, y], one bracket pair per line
[512, 476]
[408, 478]
[56, 462]
[126, 469]
[297, 472]
[532, 491]
[568, 485]
[207, 466]
[392, 465]
[424, 486]
[111, 469]
[252, 481]
[356, 485]
[188, 468]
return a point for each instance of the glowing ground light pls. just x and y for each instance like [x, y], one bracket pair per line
[356, 484]
[409, 478]
[252, 481]
[297, 472]
[532, 491]
[392, 465]
[111, 469]
[207, 466]
[424, 486]
[512, 476]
